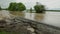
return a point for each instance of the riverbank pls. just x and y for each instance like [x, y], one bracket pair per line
[24, 26]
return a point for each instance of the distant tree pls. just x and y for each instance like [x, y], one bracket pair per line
[31, 9]
[0, 8]
[39, 8]
[17, 7]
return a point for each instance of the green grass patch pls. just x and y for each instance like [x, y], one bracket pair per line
[9, 33]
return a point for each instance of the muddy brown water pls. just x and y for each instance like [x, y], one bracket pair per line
[51, 18]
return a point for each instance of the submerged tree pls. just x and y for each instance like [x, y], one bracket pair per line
[39, 8]
[17, 7]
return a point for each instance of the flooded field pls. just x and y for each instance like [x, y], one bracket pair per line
[51, 18]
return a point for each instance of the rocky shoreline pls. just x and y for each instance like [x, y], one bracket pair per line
[24, 26]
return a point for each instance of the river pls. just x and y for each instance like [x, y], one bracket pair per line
[50, 17]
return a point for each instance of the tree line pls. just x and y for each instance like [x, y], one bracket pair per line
[13, 6]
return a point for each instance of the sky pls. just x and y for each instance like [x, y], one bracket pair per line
[49, 4]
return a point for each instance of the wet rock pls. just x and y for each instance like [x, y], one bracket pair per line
[25, 26]
[2, 21]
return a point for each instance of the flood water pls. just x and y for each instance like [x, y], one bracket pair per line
[51, 18]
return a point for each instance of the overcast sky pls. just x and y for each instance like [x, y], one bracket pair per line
[50, 4]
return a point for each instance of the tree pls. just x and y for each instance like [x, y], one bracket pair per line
[0, 8]
[21, 7]
[39, 8]
[17, 7]
[12, 6]
[31, 9]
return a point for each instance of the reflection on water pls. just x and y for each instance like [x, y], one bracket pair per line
[32, 16]
[18, 13]
[39, 17]
[51, 18]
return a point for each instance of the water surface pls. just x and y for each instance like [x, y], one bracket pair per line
[51, 18]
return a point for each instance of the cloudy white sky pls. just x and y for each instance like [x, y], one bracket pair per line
[50, 4]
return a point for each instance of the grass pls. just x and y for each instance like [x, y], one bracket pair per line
[9, 33]
[4, 32]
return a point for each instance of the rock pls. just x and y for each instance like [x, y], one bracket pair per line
[30, 28]
[24, 26]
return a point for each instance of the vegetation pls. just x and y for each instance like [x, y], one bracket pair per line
[17, 7]
[39, 8]
[31, 9]
[0, 8]
[9, 32]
